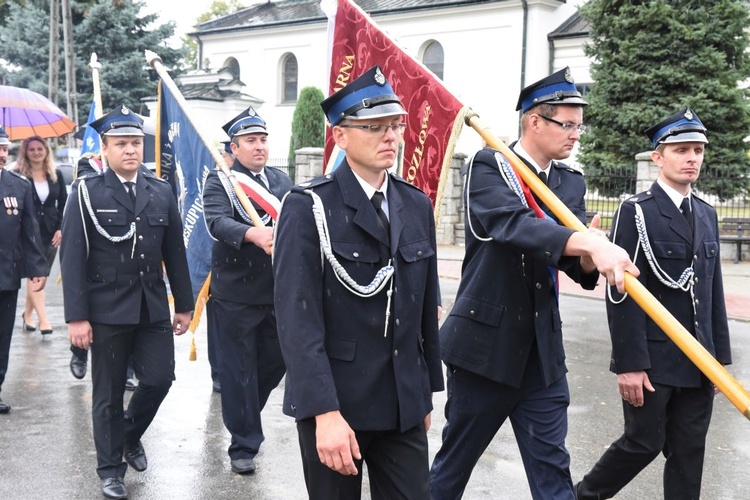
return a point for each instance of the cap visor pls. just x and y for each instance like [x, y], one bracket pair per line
[685, 137]
[389, 109]
[132, 131]
[251, 130]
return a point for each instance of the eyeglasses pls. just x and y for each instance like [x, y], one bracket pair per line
[566, 126]
[397, 128]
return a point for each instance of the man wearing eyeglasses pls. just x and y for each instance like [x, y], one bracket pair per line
[502, 342]
[356, 294]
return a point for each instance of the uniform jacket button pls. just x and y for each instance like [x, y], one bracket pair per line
[419, 253]
[669, 252]
[397, 322]
[355, 255]
[538, 286]
[138, 219]
[472, 313]
[395, 353]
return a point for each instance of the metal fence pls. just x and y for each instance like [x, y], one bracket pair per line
[623, 180]
[284, 165]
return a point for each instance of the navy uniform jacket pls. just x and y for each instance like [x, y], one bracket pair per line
[107, 285]
[20, 242]
[333, 341]
[49, 214]
[506, 300]
[637, 342]
[240, 272]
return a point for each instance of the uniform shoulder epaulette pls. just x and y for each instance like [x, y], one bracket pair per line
[22, 177]
[701, 200]
[645, 195]
[398, 178]
[313, 183]
[574, 169]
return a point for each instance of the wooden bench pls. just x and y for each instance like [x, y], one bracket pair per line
[740, 226]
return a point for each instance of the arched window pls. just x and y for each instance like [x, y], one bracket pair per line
[233, 66]
[434, 58]
[289, 79]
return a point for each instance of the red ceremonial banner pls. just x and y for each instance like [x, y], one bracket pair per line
[435, 115]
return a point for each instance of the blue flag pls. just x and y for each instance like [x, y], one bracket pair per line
[185, 161]
[91, 142]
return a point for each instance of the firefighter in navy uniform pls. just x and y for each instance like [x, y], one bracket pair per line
[503, 342]
[241, 303]
[356, 297]
[121, 229]
[20, 248]
[667, 401]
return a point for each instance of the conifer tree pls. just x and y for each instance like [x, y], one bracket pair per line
[651, 58]
[308, 122]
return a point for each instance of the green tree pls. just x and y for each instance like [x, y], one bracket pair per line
[111, 28]
[308, 122]
[650, 59]
[219, 8]
[119, 36]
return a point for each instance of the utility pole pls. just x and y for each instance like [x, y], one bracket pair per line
[70, 71]
[54, 51]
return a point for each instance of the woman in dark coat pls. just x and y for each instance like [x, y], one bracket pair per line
[49, 194]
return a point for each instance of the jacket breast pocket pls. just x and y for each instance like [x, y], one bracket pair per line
[711, 248]
[112, 219]
[417, 257]
[158, 220]
[360, 260]
[672, 256]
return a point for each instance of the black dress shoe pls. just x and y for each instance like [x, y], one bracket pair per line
[4, 408]
[78, 366]
[243, 465]
[217, 386]
[114, 487]
[135, 456]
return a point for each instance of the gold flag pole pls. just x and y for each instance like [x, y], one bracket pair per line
[155, 62]
[698, 354]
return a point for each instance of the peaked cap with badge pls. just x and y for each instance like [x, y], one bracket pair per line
[683, 126]
[4, 141]
[557, 88]
[247, 122]
[120, 121]
[368, 96]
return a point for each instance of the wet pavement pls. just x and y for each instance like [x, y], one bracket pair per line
[47, 450]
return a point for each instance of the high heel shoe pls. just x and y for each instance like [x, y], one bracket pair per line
[28, 327]
[46, 332]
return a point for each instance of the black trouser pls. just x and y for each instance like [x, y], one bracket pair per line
[152, 349]
[673, 421]
[397, 465]
[251, 366]
[8, 301]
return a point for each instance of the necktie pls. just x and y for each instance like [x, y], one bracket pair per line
[131, 191]
[543, 175]
[260, 180]
[377, 201]
[686, 212]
